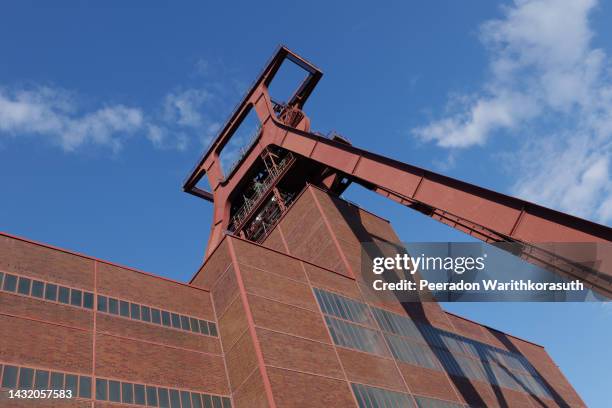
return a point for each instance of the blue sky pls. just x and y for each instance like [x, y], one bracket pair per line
[105, 108]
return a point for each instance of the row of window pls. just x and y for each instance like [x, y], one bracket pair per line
[456, 364]
[426, 346]
[48, 291]
[374, 397]
[80, 298]
[149, 314]
[404, 326]
[151, 396]
[25, 378]
[349, 309]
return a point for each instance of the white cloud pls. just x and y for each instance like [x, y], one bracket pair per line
[184, 107]
[52, 113]
[545, 75]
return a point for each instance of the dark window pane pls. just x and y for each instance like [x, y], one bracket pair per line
[151, 396]
[204, 327]
[71, 383]
[124, 308]
[146, 314]
[165, 318]
[175, 399]
[85, 387]
[196, 399]
[185, 323]
[38, 288]
[113, 306]
[1, 277]
[127, 393]
[64, 295]
[185, 399]
[88, 300]
[164, 400]
[113, 391]
[76, 297]
[139, 394]
[176, 321]
[51, 292]
[10, 283]
[26, 378]
[57, 381]
[217, 402]
[41, 380]
[24, 286]
[207, 401]
[155, 316]
[195, 327]
[135, 311]
[101, 386]
[9, 378]
[102, 303]
[226, 402]
[212, 328]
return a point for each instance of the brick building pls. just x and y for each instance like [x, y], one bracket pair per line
[277, 324]
[275, 317]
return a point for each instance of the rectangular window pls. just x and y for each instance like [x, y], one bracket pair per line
[164, 399]
[352, 336]
[102, 303]
[343, 307]
[423, 402]
[216, 402]
[64, 295]
[124, 308]
[113, 306]
[212, 328]
[195, 327]
[204, 327]
[1, 277]
[57, 381]
[165, 318]
[101, 388]
[155, 316]
[127, 393]
[38, 288]
[88, 300]
[227, 403]
[9, 377]
[175, 399]
[207, 401]
[185, 323]
[76, 297]
[41, 380]
[10, 283]
[146, 314]
[51, 292]
[139, 394]
[151, 396]
[185, 399]
[26, 378]
[24, 286]
[196, 399]
[135, 311]
[114, 392]
[84, 387]
[368, 397]
[71, 383]
[176, 321]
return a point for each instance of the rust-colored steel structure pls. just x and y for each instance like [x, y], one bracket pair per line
[484, 214]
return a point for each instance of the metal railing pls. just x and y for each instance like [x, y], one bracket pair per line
[261, 189]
